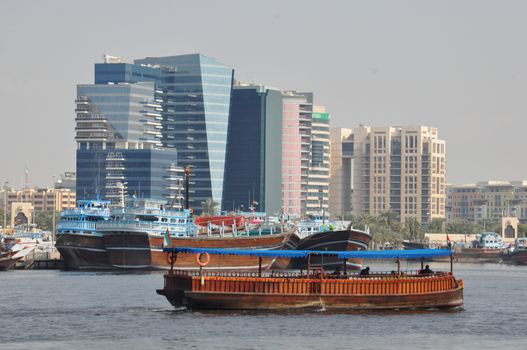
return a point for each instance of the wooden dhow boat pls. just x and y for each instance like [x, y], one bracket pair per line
[311, 288]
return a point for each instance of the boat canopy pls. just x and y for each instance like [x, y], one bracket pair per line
[361, 254]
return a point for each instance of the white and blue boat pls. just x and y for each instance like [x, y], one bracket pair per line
[78, 240]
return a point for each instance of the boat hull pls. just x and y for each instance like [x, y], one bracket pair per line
[264, 293]
[207, 300]
[519, 257]
[7, 263]
[342, 240]
[139, 250]
[82, 251]
[478, 255]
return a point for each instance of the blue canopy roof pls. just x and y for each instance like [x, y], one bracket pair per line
[361, 254]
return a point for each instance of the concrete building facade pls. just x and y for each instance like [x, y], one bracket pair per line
[400, 169]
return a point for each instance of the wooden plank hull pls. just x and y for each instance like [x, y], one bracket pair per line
[332, 240]
[519, 257]
[83, 251]
[290, 290]
[438, 300]
[7, 263]
[138, 250]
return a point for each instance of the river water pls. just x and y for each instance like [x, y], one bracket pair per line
[87, 310]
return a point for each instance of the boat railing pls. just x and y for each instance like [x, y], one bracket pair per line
[76, 225]
[86, 212]
[175, 229]
[287, 283]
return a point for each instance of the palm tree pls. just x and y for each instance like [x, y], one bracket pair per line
[209, 207]
[414, 231]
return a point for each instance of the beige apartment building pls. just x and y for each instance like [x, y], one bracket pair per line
[42, 199]
[340, 182]
[400, 169]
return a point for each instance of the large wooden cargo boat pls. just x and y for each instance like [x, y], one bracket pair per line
[78, 241]
[312, 289]
[340, 240]
[136, 236]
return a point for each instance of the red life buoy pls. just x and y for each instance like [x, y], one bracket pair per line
[202, 262]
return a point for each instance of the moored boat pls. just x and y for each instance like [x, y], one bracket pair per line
[7, 263]
[78, 241]
[312, 289]
[519, 253]
[137, 234]
[340, 240]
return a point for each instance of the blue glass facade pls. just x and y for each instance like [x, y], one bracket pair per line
[123, 105]
[253, 165]
[125, 73]
[196, 103]
[245, 167]
[144, 172]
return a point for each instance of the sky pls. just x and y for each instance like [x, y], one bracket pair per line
[460, 66]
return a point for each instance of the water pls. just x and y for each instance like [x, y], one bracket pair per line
[87, 310]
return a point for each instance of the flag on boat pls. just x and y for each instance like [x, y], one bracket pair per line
[448, 243]
[166, 240]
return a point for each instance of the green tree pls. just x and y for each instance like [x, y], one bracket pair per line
[209, 207]
[461, 226]
[488, 225]
[436, 225]
[43, 220]
[413, 230]
[8, 219]
[522, 230]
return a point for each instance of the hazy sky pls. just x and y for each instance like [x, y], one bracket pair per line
[458, 65]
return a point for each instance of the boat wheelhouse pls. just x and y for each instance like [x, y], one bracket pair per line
[312, 289]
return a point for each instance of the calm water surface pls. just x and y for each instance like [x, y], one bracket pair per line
[87, 310]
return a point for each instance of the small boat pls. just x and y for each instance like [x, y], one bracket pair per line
[487, 248]
[519, 253]
[311, 289]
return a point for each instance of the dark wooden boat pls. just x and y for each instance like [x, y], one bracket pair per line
[141, 250]
[415, 245]
[83, 251]
[478, 255]
[222, 262]
[7, 263]
[312, 289]
[341, 240]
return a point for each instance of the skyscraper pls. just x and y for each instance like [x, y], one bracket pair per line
[118, 134]
[196, 95]
[253, 172]
[318, 179]
[297, 109]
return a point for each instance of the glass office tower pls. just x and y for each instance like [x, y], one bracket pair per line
[118, 134]
[196, 104]
[253, 170]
